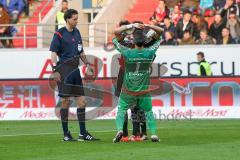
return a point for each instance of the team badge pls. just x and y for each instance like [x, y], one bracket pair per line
[80, 47]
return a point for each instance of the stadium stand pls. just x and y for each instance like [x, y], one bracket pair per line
[142, 10]
[31, 42]
[148, 11]
[204, 15]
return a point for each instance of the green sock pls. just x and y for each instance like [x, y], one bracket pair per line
[151, 122]
[120, 119]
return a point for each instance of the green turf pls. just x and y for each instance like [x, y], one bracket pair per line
[180, 140]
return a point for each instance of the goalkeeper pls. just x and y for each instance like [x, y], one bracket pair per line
[136, 79]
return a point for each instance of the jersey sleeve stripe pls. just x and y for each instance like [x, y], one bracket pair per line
[59, 34]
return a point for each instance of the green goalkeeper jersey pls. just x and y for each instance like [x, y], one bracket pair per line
[137, 66]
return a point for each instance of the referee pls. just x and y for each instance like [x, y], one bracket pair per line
[67, 50]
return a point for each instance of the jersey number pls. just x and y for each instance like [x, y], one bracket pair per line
[137, 67]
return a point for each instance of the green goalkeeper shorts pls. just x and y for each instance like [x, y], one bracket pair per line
[144, 102]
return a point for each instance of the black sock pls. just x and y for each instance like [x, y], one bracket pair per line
[143, 124]
[135, 121]
[135, 128]
[81, 120]
[64, 119]
[125, 125]
[143, 128]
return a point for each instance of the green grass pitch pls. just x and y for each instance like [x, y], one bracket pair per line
[180, 140]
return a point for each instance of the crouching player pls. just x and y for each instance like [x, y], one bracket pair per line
[136, 80]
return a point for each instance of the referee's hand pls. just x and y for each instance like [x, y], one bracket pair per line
[90, 70]
[89, 74]
[56, 76]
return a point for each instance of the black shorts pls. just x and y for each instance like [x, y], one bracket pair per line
[71, 82]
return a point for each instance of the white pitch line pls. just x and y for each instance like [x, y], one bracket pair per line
[40, 134]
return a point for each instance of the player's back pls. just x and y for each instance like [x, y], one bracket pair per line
[137, 65]
[137, 68]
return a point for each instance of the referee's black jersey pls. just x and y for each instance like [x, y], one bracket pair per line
[67, 44]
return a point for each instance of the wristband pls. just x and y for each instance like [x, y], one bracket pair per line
[54, 68]
[129, 26]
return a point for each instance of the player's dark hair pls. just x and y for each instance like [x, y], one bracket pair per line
[167, 17]
[64, 1]
[204, 31]
[186, 31]
[226, 28]
[140, 22]
[69, 13]
[187, 12]
[124, 22]
[201, 54]
[139, 37]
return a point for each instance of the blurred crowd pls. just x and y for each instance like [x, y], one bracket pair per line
[188, 22]
[184, 22]
[10, 10]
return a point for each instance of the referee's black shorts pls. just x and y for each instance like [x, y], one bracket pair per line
[71, 84]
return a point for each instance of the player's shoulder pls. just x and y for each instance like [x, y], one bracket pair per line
[60, 32]
[63, 29]
[154, 46]
[76, 30]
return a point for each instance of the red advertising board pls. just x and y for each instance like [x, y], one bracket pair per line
[26, 94]
[188, 92]
[183, 92]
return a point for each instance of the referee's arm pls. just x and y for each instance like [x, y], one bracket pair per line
[54, 58]
[55, 48]
[55, 74]
[84, 58]
[86, 62]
